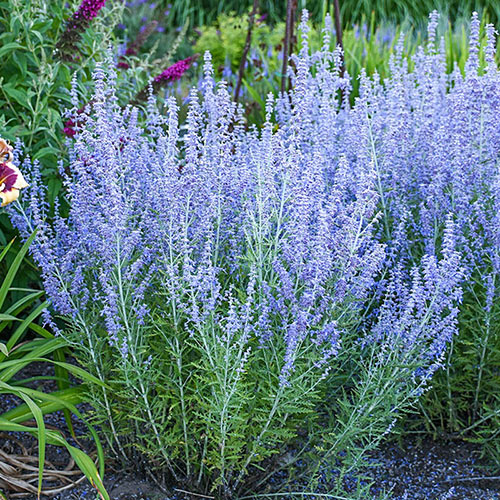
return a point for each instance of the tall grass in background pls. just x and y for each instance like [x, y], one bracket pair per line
[352, 11]
[368, 47]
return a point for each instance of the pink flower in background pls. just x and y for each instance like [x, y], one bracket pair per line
[174, 72]
[79, 22]
[169, 75]
[89, 9]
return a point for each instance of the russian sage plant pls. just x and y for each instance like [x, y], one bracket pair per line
[435, 142]
[233, 287]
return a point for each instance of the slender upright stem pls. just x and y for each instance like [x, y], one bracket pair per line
[286, 43]
[293, 39]
[246, 49]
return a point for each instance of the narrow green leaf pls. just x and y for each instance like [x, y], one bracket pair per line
[42, 347]
[41, 331]
[61, 400]
[37, 414]
[5, 250]
[62, 375]
[25, 323]
[8, 317]
[14, 268]
[79, 372]
[86, 465]
[20, 305]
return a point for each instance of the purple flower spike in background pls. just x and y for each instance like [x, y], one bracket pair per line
[79, 22]
[88, 9]
[169, 75]
[132, 50]
[174, 72]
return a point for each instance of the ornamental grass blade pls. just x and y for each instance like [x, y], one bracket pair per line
[62, 381]
[40, 430]
[43, 332]
[13, 268]
[59, 400]
[34, 353]
[83, 461]
[18, 307]
[65, 400]
[21, 329]
[5, 250]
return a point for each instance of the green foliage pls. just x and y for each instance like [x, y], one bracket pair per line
[367, 47]
[17, 353]
[225, 40]
[34, 87]
[464, 399]
[182, 401]
[398, 11]
[165, 39]
[34, 84]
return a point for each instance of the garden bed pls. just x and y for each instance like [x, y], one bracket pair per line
[433, 470]
[415, 469]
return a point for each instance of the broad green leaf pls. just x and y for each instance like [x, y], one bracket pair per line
[16, 94]
[46, 151]
[21, 63]
[10, 47]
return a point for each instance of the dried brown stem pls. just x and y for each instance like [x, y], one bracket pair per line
[338, 31]
[286, 43]
[248, 42]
